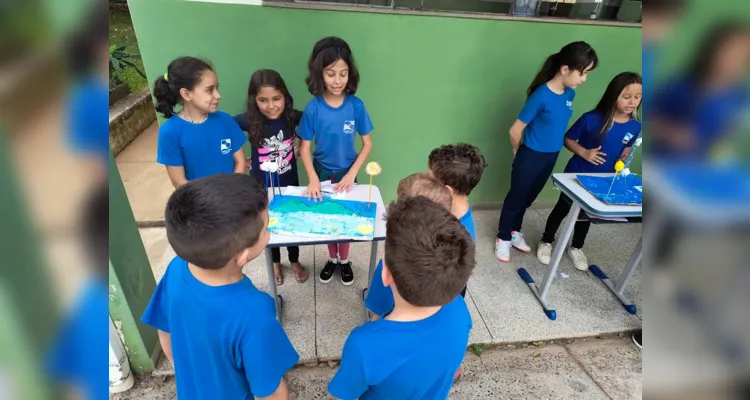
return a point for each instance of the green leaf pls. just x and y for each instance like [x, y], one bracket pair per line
[135, 67]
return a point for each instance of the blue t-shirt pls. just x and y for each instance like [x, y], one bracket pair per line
[404, 360]
[226, 341]
[77, 353]
[546, 114]
[203, 149]
[379, 298]
[710, 116]
[333, 130]
[88, 127]
[586, 131]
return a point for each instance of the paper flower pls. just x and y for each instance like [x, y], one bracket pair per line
[269, 166]
[619, 165]
[373, 168]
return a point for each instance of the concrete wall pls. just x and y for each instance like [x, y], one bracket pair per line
[425, 80]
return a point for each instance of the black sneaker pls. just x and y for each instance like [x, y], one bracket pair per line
[638, 340]
[327, 273]
[347, 275]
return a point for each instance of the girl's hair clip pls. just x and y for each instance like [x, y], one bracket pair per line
[166, 77]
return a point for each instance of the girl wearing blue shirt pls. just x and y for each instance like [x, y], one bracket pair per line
[597, 140]
[199, 140]
[696, 115]
[537, 137]
[271, 122]
[332, 118]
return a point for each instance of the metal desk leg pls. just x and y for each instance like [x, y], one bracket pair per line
[562, 242]
[622, 281]
[370, 271]
[272, 284]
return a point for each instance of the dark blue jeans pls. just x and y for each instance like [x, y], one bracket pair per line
[531, 170]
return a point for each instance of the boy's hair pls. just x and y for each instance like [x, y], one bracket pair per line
[325, 53]
[210, 220]
[429, 253]
[422, 184]
[459, 166]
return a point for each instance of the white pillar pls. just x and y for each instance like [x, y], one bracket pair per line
[120, 377]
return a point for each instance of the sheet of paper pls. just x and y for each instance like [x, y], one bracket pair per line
[325, 190]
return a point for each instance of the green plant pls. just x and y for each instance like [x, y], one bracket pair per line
[120, 60]
[477, 349]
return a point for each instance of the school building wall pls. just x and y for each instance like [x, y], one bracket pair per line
[426, 80]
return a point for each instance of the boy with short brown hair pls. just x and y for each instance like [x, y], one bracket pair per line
[415, 350]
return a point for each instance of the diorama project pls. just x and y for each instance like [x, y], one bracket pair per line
[331, 218]
[324, 219]
[622, 189]
[615, 190]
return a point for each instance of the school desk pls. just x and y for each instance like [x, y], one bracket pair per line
[599, 212]
[356, 193]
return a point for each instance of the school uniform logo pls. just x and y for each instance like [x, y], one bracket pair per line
[348, 126]
[569, 103]
[226, 146]
[627, 138]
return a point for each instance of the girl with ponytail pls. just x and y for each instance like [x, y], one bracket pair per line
[537, 137]
[198, 140]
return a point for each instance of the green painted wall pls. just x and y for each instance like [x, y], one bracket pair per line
[425, 80]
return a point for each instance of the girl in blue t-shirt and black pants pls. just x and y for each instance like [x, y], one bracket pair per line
[332, 118]
[597, 140]
[537, 137]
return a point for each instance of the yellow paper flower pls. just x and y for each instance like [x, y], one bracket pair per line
[373, 168]
[619, 165]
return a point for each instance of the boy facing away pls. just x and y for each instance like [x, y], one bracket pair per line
[459, 168]
[217, 329]
[414, 351]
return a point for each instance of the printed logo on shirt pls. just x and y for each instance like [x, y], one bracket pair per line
[226, 146]
[627, 138]
[348, 126]
[279, 150]
[569, 103]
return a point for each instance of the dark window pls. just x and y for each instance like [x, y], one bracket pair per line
[612, 10]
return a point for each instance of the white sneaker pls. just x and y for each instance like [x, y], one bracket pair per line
[544, 253]
[517, 241]
[502, 250]
[579, 259]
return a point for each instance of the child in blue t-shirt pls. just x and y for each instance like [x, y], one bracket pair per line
[219, 331]
[537, 137]
[698, 114]
[414, 351]
[199, 140]
[332, 118]
[271, 123]
[459, 168]
[379, 298]
[597, 140]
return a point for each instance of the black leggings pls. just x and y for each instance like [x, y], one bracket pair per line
[557, 216]
[293, 254]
